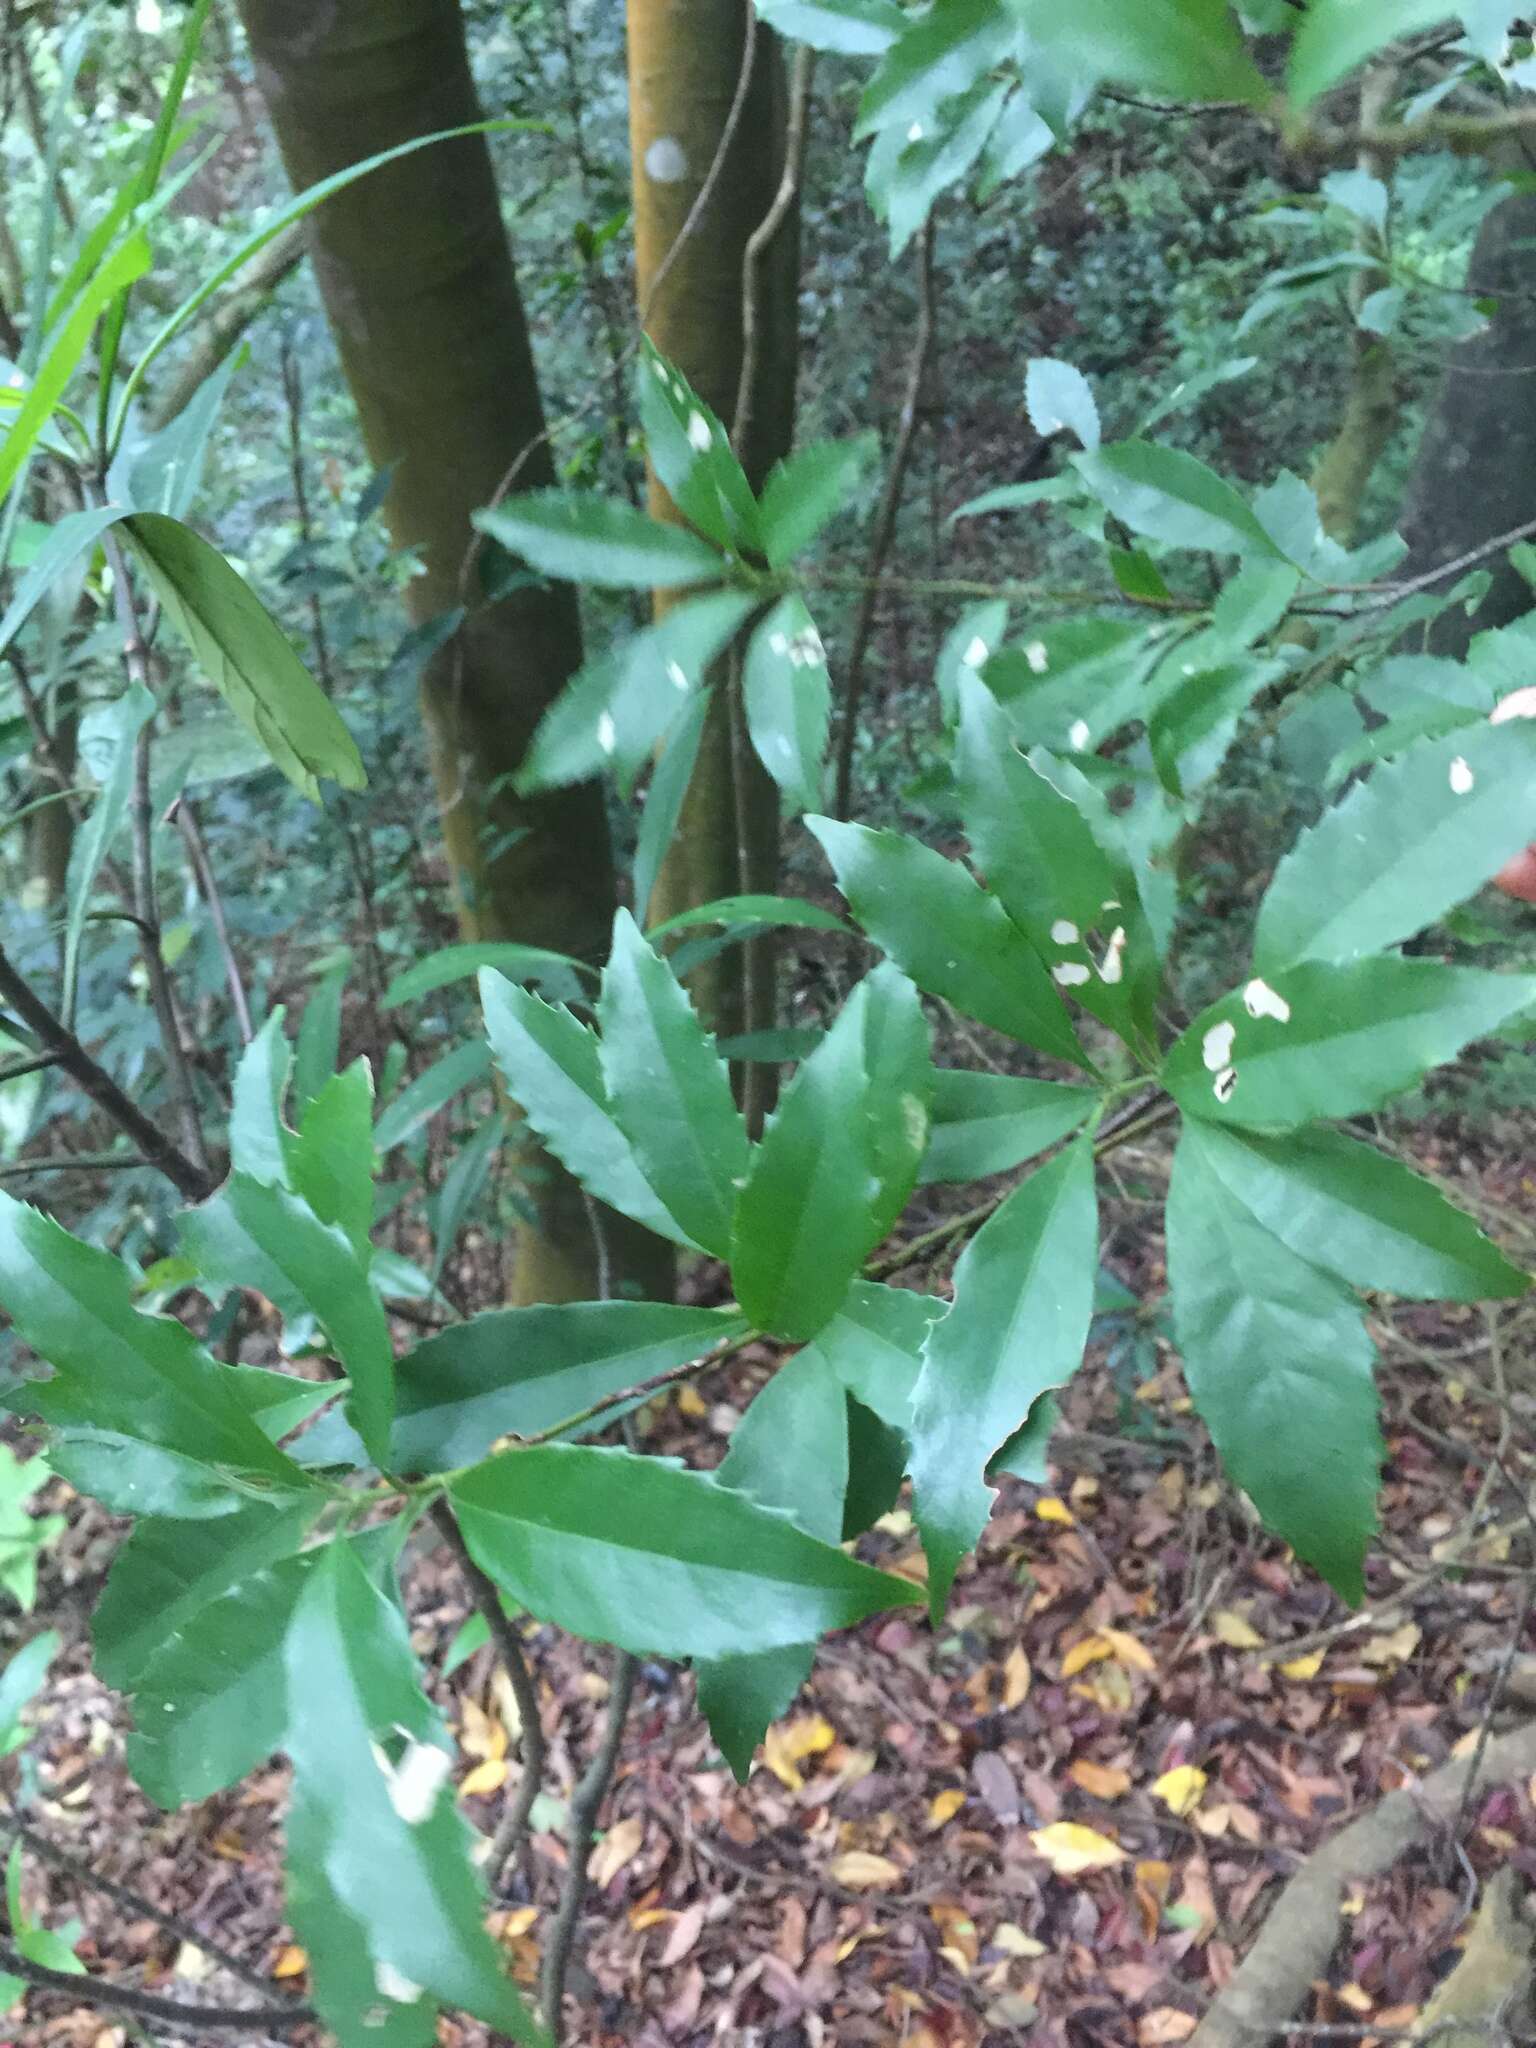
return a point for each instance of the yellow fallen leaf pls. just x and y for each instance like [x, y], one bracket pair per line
[482, 1735]
[691, 1404]
[1395, 1648]
[1017, 1678]
[487, 1777]
[1091, 1650]
[1355, 1997]
[944, 1806]
[1181, 1789]
[1303, 1667]
[1052, 1510]
[1130, 1651]
[518, 1922]
[1235, 1630]
[618, 1848]
[293, 1961]
[787, 1744]
[1070, 1848]
[642, 1917]
[1101, 1781]
[1013, 1941]
[862, 1871]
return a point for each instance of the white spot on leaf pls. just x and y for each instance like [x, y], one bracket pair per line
[1070, 974]
[699, 435]
[1462, 777]
[976, 653]
[1079, 736]
[394, 1985]
[1064, 932]
[1216, 1047]
[1225, 1084]
[1260, 1000]
[915, 132]
[665, 161]
[1518, 704]
[416, 1780]
[677, 675]
[607, 737]
[1114, 960]
[1037, 657]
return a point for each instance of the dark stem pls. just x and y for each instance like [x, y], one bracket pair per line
[73, 1162]
[208, 889]
[885, 524]
[144, 2005]
[796, 137]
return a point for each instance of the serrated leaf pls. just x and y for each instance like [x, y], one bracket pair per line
[1361, 1216]
[381, 1890]
[807, 489]
[661, 1561]
[1172, 497]
[874, 1344]
[787, 693]
[601, 543]
[908, 170]
[990, 1123]
[519, 1371]
[1279, 1364]
[1023, 1302]
[331, 1158]
[1060, 399]
[114, 1368]
[249, 1235]
[837, 1161]
[944, 931]
[1331, 1040]
[691, 453]
[258, 1138]
[242, 652]
[1420, 836]
[552, 1068]
[669, 1091]
[938, 57]
[968, 646]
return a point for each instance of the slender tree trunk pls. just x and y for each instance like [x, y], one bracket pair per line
[416, 272]
[685, 76]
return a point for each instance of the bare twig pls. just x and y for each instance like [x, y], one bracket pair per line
[797, 134]
[73, 1162]
[166, 2012]
[208, 888]
[885, 524]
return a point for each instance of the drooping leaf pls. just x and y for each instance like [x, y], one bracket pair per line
[944, 931]
[114, 1368]
[381, 1890]
[989, 1123]
[1060, 399]
[837, 1161]
[318, 1048]
[552, 1068]
[1279, 1364]
[938, 57]
[67, 540]
[241, 651]
[583, 537]
[520, 1371]
[691, 454]
[252, 1235]
[1402, 848]
[669, 1091]
[1360, 1215]
[809, 488]
[787, 692]
[436, 1086]
[1023, 1303]
[909, 169]
[1172, 497]
[634, 1551]
[1327, 1040]
[462, 1185]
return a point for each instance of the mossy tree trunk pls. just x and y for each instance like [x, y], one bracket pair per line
[417, 276]
[685, 71]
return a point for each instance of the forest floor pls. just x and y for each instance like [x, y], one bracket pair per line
[1129, 1658]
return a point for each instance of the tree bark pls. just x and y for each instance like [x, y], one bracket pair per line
[685, 71]
[417, 277]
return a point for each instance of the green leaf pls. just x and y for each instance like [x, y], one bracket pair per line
[1059, 398]
[948, 934]
[521, 1371]
[851, 28]
[1173, 498]
[319, 1044]
[638, 1552]
[1191, 48]
[906, 173]
[462, 1186]
[611, 714]
[968, 646]
[939, 56]
[1279, 1364]
[66, 541]
[163, 471]
[21, 1679]
[128, 1477]
[668, 786]
[239, 648]
[874, 1344]
[837, 1161]
[990, 1123]
[436, 1086]
[809, 488]
[752, 910]
[108, 744]
[331, 1159]
[1335, 36]
[1327, 1041]
[691, 454]
[1045, 490]
[802, 1405]
[258, 1139]
[64, 346]
[557, 971]
[250, 1235]
[788, 697]
[381, 1889]
[1193, 724]
[1077, 907]
[554, 1073]
[669, 1091]
[115, 1369]
[877, 1465]
[1401, 849]
[1023, 1303]
[1360, 1215]
[601, 543]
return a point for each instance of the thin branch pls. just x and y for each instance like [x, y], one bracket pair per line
[586, 1802]
[512, 1833]
[208, 888]
[194, 1180]
[885, 523]
[1390, 593]
[144, 2005]
[1461, 134]
[74, 1162]
[797, 134]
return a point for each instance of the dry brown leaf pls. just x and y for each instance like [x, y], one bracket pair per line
[481, 1735]
[1161, 2028]
[518, 1922]
[863, 1871]
[616, 1851]
[686, 1930]
[1102, 1781]
[1071, 1849]
[1017, 1677]
[1395, 1648]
